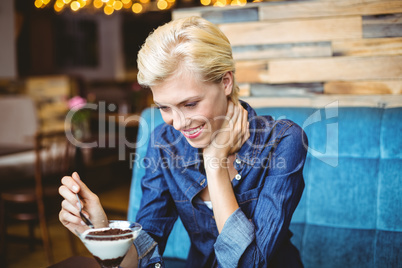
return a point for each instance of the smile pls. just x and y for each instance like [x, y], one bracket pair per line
[193, 132]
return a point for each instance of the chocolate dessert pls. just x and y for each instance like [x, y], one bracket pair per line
[114, 234]
[109, 245]
[109, 262]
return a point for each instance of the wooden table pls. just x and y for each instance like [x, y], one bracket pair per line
[77, 262]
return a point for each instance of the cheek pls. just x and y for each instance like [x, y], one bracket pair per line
[201, 116]
[167, 118]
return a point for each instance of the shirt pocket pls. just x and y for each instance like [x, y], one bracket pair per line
[248, 200]
[187, 215]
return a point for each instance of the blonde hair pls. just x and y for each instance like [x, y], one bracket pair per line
[193, 43]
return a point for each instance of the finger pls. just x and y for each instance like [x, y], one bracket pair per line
[69, 196]
[232, 121]
[238, 119]
[245, 117]
[70, 183]
[72, 223]
[230, 110]
[71, 208]
[241, 130]
[67, 218]
[247, 135]
[236, 112]
[84, 191]
[245, 126]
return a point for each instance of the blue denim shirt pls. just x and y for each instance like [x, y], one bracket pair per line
[268, 188]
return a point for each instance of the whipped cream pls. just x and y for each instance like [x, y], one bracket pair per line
[107, 249]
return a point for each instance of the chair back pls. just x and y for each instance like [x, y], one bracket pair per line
[54, 158]
[19, 121]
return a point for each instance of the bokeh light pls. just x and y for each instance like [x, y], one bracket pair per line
[108, 10]
[75, 6]
[117, 5]
[137, 8]
[162, 4]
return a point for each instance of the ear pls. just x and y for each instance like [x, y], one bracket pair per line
[227, 82]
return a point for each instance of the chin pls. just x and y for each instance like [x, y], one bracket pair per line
[198, 145]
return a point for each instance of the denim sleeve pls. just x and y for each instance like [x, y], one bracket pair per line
[251, 242]
[147, 250]
[157, 213]
[237, 234]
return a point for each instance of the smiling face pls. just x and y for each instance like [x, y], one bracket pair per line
[192, 106]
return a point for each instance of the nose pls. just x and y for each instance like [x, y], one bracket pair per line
[178, 120]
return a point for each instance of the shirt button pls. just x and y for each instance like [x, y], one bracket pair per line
[202, 182]
[238, 177]
[238, 161]
[157, 265]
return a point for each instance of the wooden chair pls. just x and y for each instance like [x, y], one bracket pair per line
[29, 203]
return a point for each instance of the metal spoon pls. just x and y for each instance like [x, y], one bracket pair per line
[83, 217]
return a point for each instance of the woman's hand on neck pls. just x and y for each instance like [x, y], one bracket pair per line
[227, 141]
[232, 135]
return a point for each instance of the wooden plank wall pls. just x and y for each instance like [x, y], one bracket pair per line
[290, 48]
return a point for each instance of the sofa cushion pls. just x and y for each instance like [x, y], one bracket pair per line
[342, 196]
[390, 195]
[328, 247]
[391, 138]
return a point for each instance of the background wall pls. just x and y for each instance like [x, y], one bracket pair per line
[301, 48]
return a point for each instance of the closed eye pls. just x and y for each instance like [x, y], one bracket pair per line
[190, 104]
[163, 108]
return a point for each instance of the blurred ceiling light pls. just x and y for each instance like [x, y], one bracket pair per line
[128, 5]
[75, 6]
[57, 8]
[59, 4]
[98, 3]
[136, 6]
[38, 3]
[162, 4]
[117, 5]
[220, 3]
[110, 3]
[108, 10]
[82, 3]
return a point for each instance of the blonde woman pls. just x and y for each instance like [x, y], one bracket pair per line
[234, 178]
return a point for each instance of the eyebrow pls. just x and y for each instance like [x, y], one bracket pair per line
[182, 102]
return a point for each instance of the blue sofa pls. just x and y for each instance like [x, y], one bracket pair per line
[350, 214]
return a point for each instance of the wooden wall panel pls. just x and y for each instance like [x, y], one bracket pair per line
[296, 48]
[292, 50]
[232, 15]
[250, 71]
[312, 9]
[370, 87]
[367, 47]
[309, 30]
[333, 69]
[382, 26]
[318, 70]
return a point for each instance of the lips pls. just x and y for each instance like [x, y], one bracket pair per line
[193, 133]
